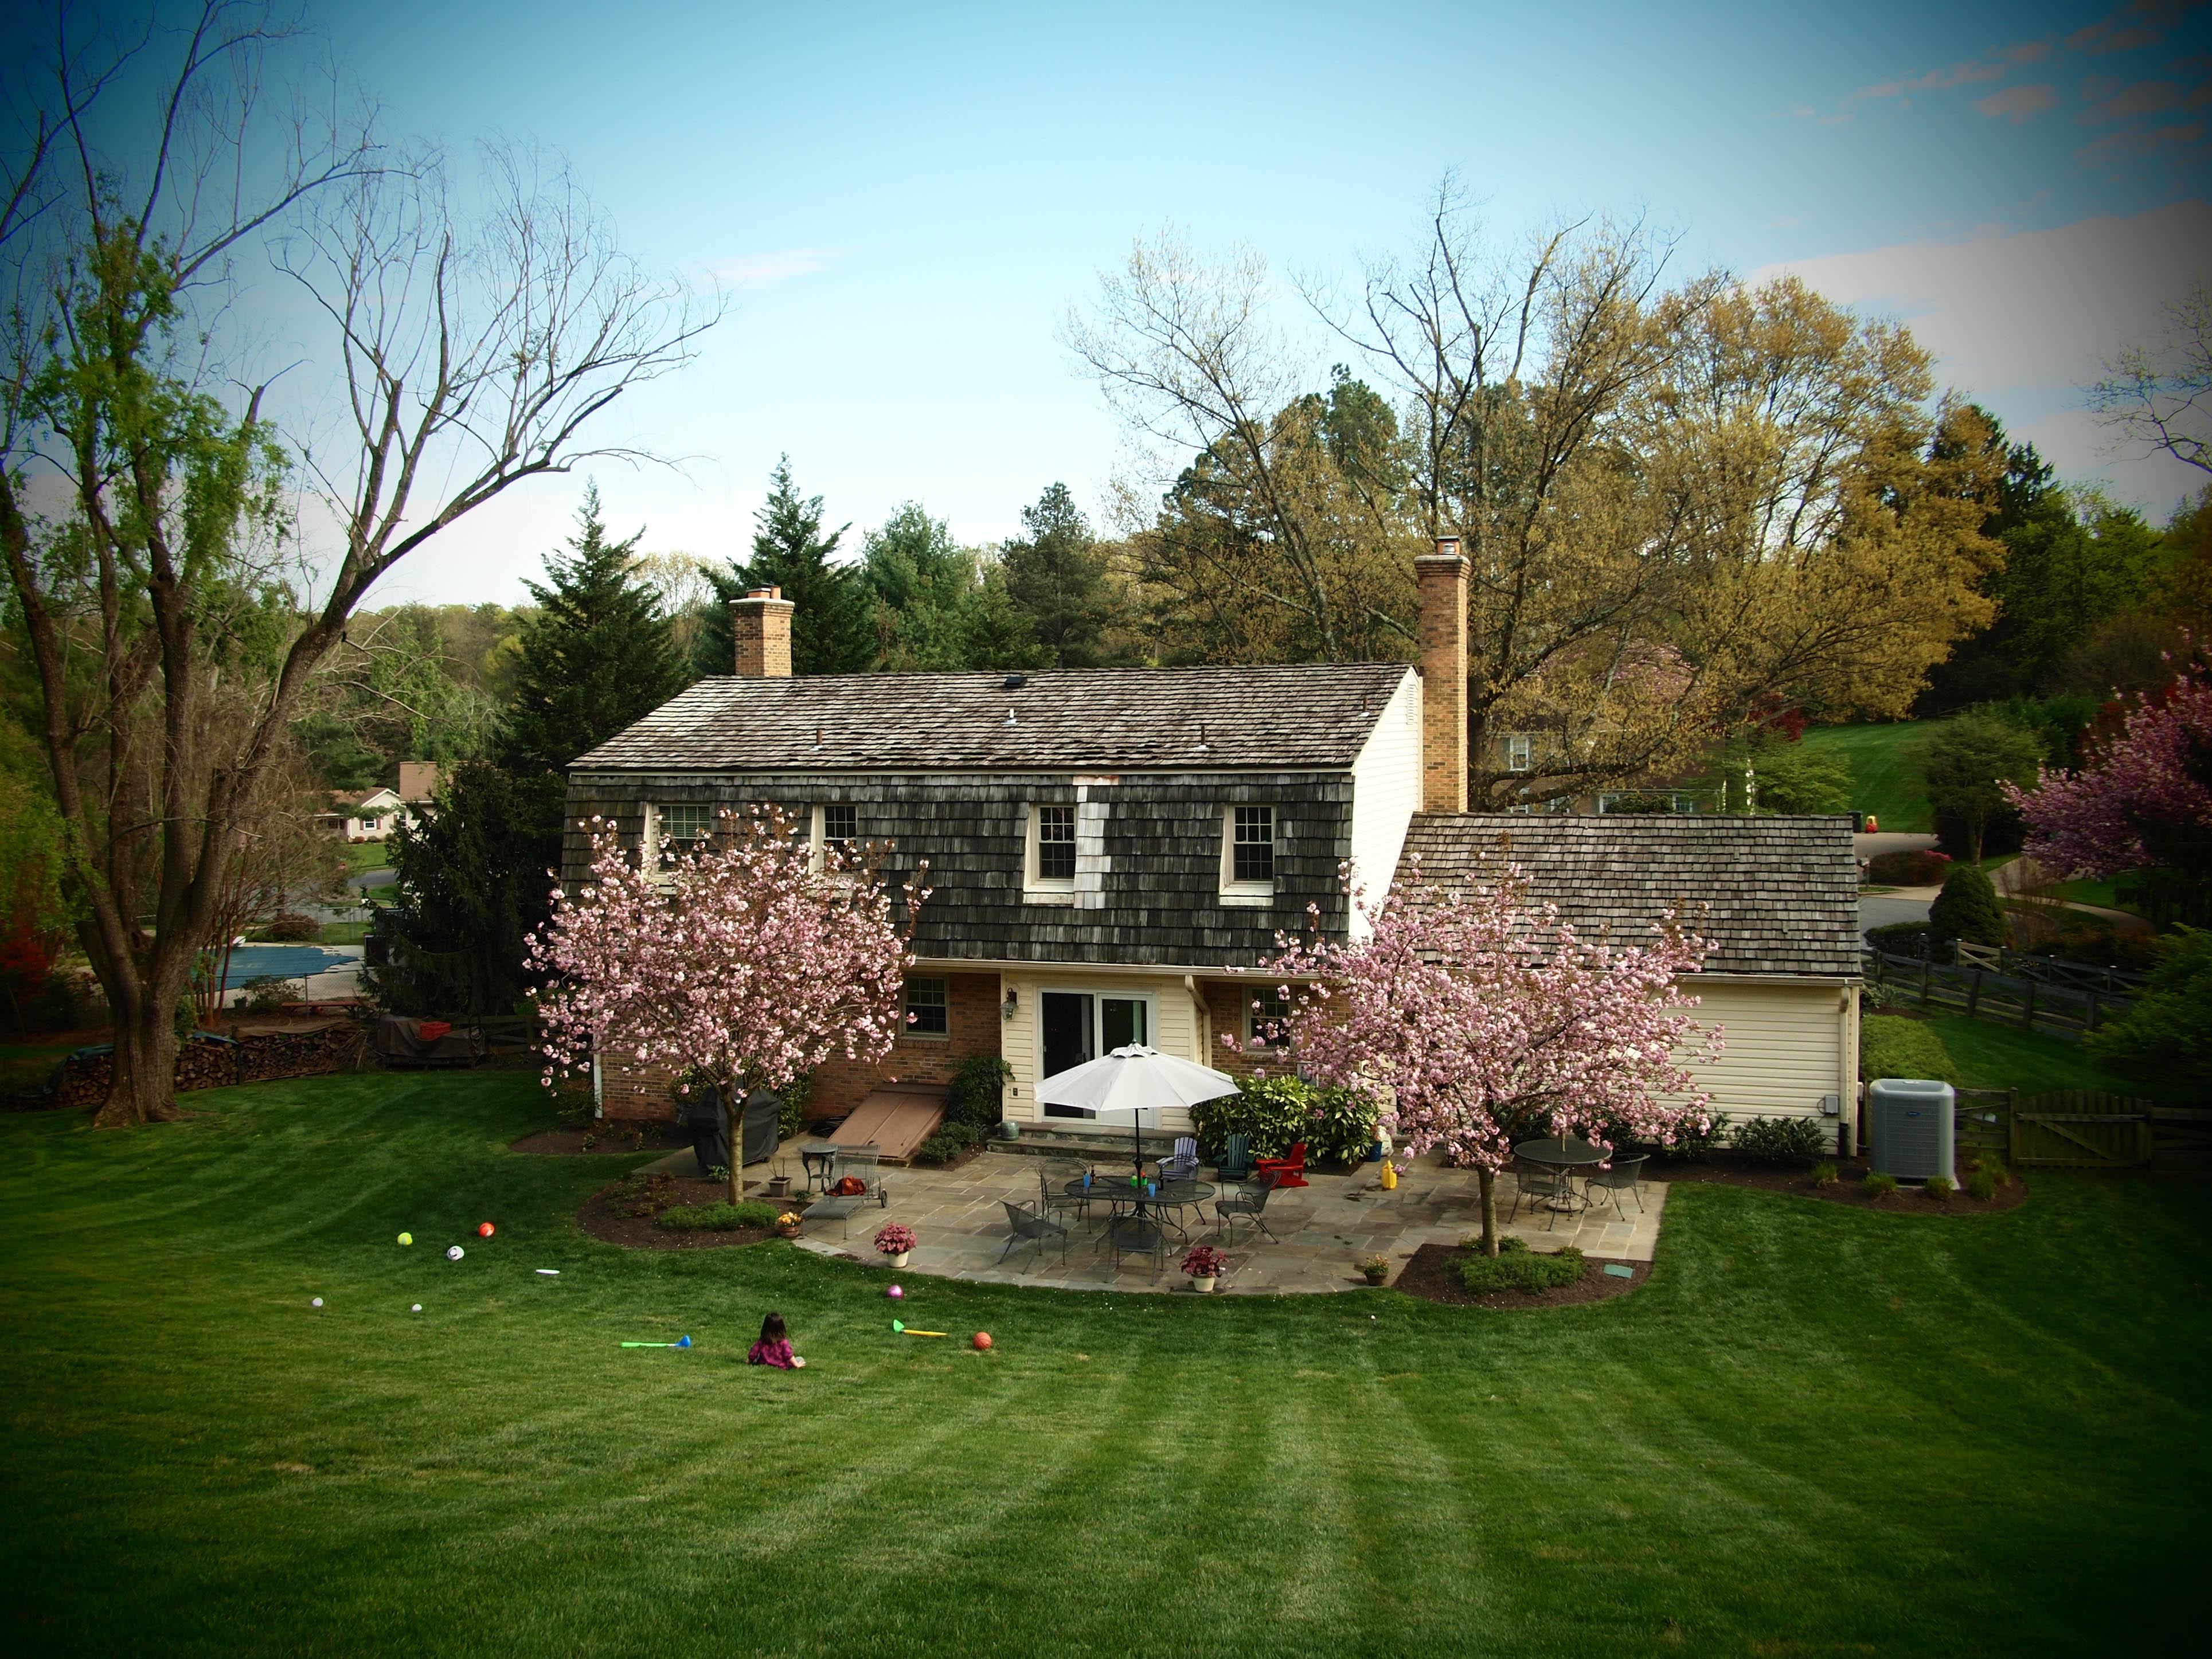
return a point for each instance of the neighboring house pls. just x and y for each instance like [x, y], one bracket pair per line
[1106, 845]
[354, 815]
[372, 816]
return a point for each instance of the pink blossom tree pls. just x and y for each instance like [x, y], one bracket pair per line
[748, 959]
[1488, 1021]
[2144, 800]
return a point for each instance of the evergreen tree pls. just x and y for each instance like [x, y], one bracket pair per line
[1056, 578]
[833, 629]
[939, 605]
[1965, 909]
[599, 658]
[472, 885]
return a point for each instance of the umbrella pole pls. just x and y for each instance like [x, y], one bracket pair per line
[1137, 1140]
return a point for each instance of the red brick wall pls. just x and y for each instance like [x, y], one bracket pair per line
[972, 1014]
[632, 1091]
[1229, 1004]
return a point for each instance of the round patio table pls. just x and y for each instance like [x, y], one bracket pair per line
[1566, 1156]
[1172, 1195]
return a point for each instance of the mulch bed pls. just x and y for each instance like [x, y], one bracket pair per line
[1850, 1172]
[627, 1212]
[1432, 1274]
[611, 1135]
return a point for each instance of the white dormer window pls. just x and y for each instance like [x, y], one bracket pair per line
[835, 824]
[687, 823]
[1520, 751]
[1248, 854]
[1048, 871]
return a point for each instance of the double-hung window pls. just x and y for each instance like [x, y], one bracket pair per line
[687, 823]
[1055, 843]
[1520, 752]
[1263, 1019]
[928, 1014]
[1248, 854]
[841, 827]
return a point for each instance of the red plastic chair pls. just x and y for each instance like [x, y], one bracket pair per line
[1289, 1170]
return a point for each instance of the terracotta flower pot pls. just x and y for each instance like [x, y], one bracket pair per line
[788, 1232]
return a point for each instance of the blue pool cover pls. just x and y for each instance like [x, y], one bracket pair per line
[281, 962]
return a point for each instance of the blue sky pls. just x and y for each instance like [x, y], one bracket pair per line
[905, 201]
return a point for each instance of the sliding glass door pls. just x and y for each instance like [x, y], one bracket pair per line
[1077, 1026]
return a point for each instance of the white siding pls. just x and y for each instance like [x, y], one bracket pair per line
[1386, 793]
[1787, 1045]
[1178, 1028]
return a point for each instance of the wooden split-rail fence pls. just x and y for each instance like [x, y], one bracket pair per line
[2010, 992]
[2082, 1130]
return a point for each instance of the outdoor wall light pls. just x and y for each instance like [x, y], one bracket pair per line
[1010, 1005]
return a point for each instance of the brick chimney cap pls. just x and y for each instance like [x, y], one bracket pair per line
[764, 593]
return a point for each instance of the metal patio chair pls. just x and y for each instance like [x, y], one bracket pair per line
[1250, 1202]
[1054, 1175]
[1136, 1235]
[1032, 1229]
[1620, 1178]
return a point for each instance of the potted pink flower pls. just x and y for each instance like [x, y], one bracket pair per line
[892, 1243]
[1204, 1264]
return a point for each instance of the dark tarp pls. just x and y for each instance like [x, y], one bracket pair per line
[764, 1117]
[404, 1040]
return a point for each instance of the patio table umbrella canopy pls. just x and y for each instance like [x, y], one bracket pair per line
[1129, 1082]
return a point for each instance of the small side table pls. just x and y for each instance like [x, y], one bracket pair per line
[819, 1159]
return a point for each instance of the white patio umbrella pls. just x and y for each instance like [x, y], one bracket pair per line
[1130, 1082]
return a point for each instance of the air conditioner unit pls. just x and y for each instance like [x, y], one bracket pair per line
[1909, 1128]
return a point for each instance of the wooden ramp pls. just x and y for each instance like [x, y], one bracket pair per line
[897, 1119]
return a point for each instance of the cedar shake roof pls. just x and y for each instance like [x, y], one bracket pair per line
[1304, 716]
[1782, 892]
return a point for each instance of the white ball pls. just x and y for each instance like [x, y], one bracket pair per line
[417, 1308]
[316, 1301]
[453, 1253]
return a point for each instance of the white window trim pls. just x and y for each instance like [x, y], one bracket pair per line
[1253, 1021]
[1237, 894]
[906, 1032]
[1035, 890]
[1520, 751]
[648, 845]
[1036, 996]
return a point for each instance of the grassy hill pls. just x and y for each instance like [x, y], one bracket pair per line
[1884, 769]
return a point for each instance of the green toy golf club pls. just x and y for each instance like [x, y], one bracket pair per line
[684, 1342]
[899, 1325]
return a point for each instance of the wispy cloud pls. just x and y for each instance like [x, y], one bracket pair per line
[777, 265]
[2019, 104]
[2141, 23]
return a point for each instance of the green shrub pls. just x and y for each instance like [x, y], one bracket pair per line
[1337, 1125]
[1965, 909]
[2168, 1030]
[1690, 1141]
[1900, 938]
[1519, 1270]
[797, 1095]
[977, 1096]
[1879, 1186]
[1939, 1188]
[721, 1217]
[266, 995]
[1891, 1047]
[293, 929]
[1982, 1184]
[1907, 869]
[1824, 1175]
[1781, 1140]
[948, 1143]
[1507, 1243]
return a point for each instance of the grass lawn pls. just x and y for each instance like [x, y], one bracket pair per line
[1885, 770]
[1980, 1053]
[1815, 1430]
[345, 933]
[366, 855]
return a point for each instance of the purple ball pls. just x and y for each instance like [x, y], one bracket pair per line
[897, 1293]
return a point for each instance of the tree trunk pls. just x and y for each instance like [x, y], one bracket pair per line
[733, 1107]
[142, 1088]
[1487, 1179]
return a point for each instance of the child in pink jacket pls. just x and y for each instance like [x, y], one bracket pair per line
[773, 1347]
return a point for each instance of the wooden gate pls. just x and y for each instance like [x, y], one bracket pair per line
[2083, 1129]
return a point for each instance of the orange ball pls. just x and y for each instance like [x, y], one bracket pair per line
[484, 1231]
[983, 1341]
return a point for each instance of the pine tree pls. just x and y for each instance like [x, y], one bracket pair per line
[833, 629]
[1056, 578]
[600, 657]
[1965, 909]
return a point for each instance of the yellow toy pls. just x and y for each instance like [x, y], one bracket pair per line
[1389, 1176]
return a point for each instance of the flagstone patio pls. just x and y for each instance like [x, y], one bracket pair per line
[1324, 1228]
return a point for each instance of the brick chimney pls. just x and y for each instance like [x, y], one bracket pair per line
[1440, 580]
[761, 622]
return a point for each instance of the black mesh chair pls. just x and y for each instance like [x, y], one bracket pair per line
[1053, 1175]
[1037, 1230]
[1620, 1178]
[1136, 1235]
[1250, 1202]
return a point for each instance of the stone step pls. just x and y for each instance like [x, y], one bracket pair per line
[1087, 1141]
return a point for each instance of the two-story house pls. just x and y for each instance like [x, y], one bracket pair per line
[1106, 846]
